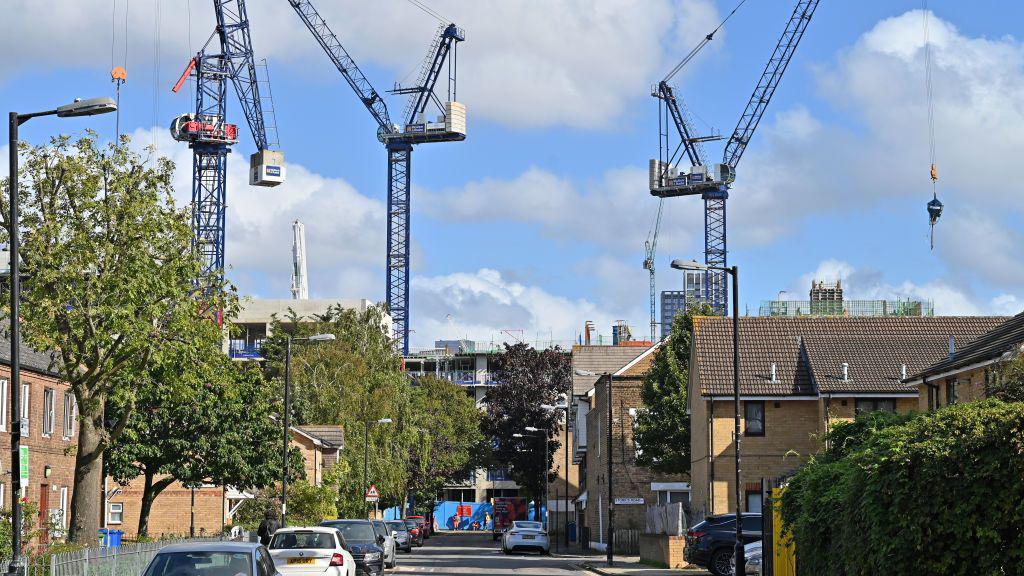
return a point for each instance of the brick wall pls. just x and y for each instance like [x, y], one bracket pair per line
[970, 386]
[172, 510]
[663, 550]
[48, 454]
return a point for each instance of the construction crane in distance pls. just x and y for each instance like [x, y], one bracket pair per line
[210, 135]
[300, 281]
[650, 250]
[399, 140]
[713, 181]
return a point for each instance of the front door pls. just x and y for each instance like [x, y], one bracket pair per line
[44, 512]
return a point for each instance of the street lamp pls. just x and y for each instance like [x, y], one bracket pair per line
[565, 407]
[608, 474]
[79, 107]
[366, 450]
[287, 414]
[734, 272]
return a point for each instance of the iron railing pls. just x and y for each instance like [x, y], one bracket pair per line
[124, 560]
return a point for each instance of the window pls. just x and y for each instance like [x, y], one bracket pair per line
[951, 391]
[115, 513]
[70, 415]
[3, 407]
[673, 497]
[753, 415]
[49, 411]
[753, 506]
[866, 405]
[753, 523]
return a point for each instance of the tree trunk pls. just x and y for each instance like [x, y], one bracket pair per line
[85, 498]
[150, 490]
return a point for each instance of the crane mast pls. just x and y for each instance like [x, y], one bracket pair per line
[399, 142]
[300, 281]
[712, 182]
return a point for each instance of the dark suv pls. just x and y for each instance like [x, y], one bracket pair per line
[364, 544]
[710, 544]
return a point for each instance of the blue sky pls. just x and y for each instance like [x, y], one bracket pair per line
[537, 221]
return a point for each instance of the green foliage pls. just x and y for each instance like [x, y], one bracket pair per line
[662, 430]
[528, 378]
[109, 270]
[29, 530]
[308, 505]
[940, 493]
[1007, 382]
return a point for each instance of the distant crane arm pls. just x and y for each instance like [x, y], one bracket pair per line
[686, 137]
[425, 91]
[344, 62]
[236, 47]
[769, 81]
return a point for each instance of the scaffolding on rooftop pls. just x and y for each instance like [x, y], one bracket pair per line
[795, 308]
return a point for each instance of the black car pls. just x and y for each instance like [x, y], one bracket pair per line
[363, 543]
[711, 544]
[416, 531]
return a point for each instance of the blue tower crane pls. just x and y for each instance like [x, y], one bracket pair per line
[210, 135]
[712, 182]
[399, 140]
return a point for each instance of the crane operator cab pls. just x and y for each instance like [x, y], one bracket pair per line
[666, 180]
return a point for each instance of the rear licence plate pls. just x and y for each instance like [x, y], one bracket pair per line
[300, 561]
[528, 537]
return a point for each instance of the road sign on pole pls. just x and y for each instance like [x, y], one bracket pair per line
[372, 495]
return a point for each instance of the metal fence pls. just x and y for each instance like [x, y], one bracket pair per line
[125, 560]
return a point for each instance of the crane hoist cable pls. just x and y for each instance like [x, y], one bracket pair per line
[934, 205]
[700, 45]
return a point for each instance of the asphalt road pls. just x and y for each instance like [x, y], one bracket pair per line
[469, 553]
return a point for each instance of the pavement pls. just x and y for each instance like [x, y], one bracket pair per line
[476, 553]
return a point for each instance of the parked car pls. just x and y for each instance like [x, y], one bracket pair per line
[524, 535]
[753, 554]
[390, 546]
[312, 551]
[400, 532]
[710, 544]
[425, 525]
[363, 543]
[415, 530]
[238, 558]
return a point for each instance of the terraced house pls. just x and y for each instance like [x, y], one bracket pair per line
[797, 377]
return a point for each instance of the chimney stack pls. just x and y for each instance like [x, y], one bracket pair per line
[952, 347]
[903, 371]
[846, 372]
[773, 372]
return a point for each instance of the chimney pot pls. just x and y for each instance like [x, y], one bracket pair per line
[952, 347]
[773, 372]
[903, 371]
[846, 372]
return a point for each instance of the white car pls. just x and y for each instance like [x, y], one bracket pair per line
[753, 554]
[524, 535]
[312, 551]
[390, 545]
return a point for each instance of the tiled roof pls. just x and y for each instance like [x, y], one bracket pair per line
[874, 363]
[40, 362]
[330, 435]
[768, 340]
[641, 365]
[989, 346]
[599, 359]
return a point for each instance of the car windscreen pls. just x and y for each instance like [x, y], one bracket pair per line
[411, 524]
[397, 526]
[356, 531]
[527, 525]
[302, 540]
[379, 528]
[201, 564]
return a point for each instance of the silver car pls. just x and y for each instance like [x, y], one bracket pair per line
[401, 534]
[389, 545]
[212, 559]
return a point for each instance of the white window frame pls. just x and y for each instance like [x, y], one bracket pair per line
[70, 415]
[3, 494]
[26, 406]
[49, 411]
[3, 408]
[111, 511]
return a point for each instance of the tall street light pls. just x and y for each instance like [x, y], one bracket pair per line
[733, 271]
[366, 450]
[565, 407]
[287, 415]
[79, 107]
[610, 540]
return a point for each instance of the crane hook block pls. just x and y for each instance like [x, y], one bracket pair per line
[934, 210]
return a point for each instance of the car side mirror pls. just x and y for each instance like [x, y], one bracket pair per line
[394, 533]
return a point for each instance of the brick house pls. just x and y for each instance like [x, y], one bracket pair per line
[49, 429]
[797, 376]
[633, 487]
[212, 506]
[965, 374]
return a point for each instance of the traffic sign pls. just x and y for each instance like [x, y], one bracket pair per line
[372, 495]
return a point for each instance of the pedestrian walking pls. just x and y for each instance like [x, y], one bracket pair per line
[268, 526]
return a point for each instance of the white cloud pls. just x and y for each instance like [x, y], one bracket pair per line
[524, 64]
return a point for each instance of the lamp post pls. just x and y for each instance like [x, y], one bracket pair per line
[79, 107]
[610, 540]
[366, 451]
[565, 525]
[734, 272]
[287, 414]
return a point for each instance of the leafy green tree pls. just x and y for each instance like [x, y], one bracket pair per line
[308, 505]
[198, 420]
[662, 432]
[527, 379]
[110, 267]
[1007, 383]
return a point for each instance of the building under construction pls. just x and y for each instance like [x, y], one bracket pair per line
[827, 300]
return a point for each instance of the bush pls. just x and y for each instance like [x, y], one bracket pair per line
[942, 493]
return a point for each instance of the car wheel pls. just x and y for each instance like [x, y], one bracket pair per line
[721, 562]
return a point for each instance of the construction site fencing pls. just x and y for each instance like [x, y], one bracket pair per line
[124, 560]
[846, 308]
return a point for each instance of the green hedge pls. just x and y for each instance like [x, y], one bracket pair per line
[938, 493]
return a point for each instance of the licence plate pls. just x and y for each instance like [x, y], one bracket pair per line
[528, 537]
[300, 561]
